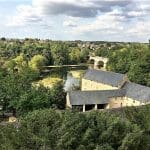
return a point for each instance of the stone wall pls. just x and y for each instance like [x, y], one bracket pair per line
[68, 101]
[117, 102]
[88, 85]
[148, 102]
[97, 60]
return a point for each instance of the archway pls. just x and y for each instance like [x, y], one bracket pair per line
[100, 64]
[92, 61]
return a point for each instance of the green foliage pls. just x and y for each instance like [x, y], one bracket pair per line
[55, 52]
[134, 61]
[39, 130]
[131, 141]
[43, 128]
[139, 72]
[10, 65]
[84, 54]
[104, 147]
[37, 99]
[75, 55]
[138, 140]
[119, 61]
[17, 92]
[58, 95]
[64, 130]
[103, 52]
[60, 53]
[18, 63]
[37, 62]
[9, 138]
[139, 116]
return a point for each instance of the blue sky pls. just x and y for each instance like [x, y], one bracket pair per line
[110, 20]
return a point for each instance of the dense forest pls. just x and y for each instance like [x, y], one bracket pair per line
[43, 122]
[132, 59]
[48, 129]
[127, 58]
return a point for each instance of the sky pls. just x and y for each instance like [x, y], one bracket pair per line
[90, 20]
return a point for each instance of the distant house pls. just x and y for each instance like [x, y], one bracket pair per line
[106, 90]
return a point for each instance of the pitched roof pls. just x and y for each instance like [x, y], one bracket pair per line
[94, 97]
[137, 91]
[129, 89]
[110, 78]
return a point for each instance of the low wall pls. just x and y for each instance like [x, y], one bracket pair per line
[118, 102]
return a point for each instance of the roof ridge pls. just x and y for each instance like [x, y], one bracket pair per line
[106, 77]
[129, 82]
[107, 71]
[98, 90]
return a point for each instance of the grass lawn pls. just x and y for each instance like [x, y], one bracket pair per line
[77, 73]
[48, 82]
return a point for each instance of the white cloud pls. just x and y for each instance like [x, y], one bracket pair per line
[114, 25]
[95, 17]
[104, 23]
[25, 14]
[136, 13]
[140, 29]
[71, 21]
[74, 8]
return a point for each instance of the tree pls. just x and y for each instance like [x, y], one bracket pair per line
[35, 99]
[3, 39]
[60, 53]
[10, 65]
[37, 62]
[138, 140]
[17, 92]
[84, 54]
[75, 55]
[139, 72]
[104, 147]
[134, 62]
[119, 61]
[53, 129]
[59, 95]
[103, 52]
[18, 63]
[38, 130]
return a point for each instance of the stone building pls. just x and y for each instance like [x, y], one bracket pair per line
[107, 90]
[102, 80]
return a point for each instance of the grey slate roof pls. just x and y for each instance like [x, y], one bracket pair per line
[110, 78]
[94, 97]
[137, 91]
[129, 89]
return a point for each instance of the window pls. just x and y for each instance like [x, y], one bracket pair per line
[101, 106]
[89, 107]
